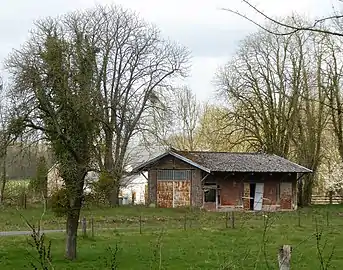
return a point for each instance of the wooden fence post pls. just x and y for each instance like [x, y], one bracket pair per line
[226, 220]
[233, 219]
[84, 226]
[284, 257]
[330, 196]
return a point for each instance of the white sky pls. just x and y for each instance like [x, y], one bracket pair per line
[211, 34]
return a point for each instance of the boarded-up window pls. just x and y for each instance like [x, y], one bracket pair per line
[174, 175]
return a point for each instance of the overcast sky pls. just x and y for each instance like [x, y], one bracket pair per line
[212, 35]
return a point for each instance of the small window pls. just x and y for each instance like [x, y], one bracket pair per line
[210, 195]
[174, 175]
[165, 175]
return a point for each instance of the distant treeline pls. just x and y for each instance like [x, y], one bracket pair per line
[22, 159]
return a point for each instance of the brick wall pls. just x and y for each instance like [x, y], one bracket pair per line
[231, 192]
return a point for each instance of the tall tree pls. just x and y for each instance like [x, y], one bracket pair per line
[312, 115]
[333, 70]
[185, 116]
[92, 78]
[135, 67]
[273, 84]
[263, 91]
[53, 76]
[9, 131]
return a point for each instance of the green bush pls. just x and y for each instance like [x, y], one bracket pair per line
[39, 184]
[103, 188]
[59, 202]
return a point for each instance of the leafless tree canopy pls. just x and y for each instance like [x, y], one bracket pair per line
[135, 66]
[286, 28]
[278, 94]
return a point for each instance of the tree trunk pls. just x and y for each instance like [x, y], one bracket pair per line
[3, 180]
[72, 227]
[300, 193]
[2, 190]
[307, 189]
[115, 194]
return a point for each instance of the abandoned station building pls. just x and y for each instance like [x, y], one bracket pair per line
[222, 180]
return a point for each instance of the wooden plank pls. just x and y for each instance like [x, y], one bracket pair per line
[246, 199]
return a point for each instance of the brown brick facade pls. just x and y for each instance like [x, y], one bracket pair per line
[279, 188]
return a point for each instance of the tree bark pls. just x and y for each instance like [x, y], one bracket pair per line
[300, 193]
[72, 226]
[3, 178]
[115, 194]
[307, 189]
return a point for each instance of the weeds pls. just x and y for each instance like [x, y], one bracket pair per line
[113, 260]
[324, 264]
[156, 262]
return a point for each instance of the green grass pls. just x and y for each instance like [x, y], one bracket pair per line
[205, 244]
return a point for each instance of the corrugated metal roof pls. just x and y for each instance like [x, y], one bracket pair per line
[232, 162]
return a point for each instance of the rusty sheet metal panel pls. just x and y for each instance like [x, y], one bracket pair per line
[286, 195]
[246, 195]
[182, 191]
[173, 193]
[165, 194]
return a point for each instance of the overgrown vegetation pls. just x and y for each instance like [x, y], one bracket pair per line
[205, 244]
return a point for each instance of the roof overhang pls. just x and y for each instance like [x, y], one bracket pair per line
[144, 166]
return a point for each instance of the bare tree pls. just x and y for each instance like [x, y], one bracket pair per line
[184, 129]
[134, 68]
[273, 84]
[263, 92]
[334, 70]
[312, 116]
[284, 28]
[217, 131]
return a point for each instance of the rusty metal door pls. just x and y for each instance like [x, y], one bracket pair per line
[181, 193]
[173, 188]
[165, 194]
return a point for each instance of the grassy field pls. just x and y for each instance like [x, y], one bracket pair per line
[180, 239]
